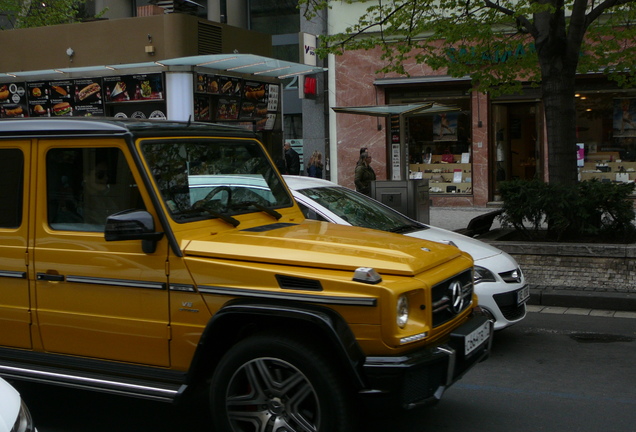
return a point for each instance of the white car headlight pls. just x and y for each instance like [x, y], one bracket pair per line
[402, 310]
[483, 275]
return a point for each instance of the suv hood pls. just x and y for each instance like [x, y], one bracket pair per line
[322, 244]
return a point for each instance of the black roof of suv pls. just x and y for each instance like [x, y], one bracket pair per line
[92, 125]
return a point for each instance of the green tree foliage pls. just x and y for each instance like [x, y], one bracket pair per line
[31, 13]
[503, 44]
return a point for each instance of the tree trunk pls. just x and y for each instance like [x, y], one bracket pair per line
[560, 112]
[558, 55]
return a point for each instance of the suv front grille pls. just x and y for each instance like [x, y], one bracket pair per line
[451, 297]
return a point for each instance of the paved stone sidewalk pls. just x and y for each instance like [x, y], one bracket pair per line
[582, 298]
[557, 310]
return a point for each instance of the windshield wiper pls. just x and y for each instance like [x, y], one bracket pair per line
[225, 218]
[189, 214]
[273, 213]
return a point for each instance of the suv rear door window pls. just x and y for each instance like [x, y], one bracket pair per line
[11, 187]
[86, 185]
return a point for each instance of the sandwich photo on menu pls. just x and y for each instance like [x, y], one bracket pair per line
[62, 109]
[88, 91]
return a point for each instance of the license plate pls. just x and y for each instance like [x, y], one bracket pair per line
[523, 294]
[474, 339]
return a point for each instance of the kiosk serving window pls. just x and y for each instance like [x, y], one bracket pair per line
[439, 148]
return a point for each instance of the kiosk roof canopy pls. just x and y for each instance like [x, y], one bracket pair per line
[402, 109]
[248, 64]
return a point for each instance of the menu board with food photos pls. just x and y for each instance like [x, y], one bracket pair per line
[133, 88]
[13, 100]
[221, 98]
[217, 98]
[80, 98]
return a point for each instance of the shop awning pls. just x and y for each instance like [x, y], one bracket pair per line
[248, 64]
[405, 109]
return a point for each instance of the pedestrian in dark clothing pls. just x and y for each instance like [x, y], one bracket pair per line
[364, 174]
[315, 165]
[281, 165]
[292, 160]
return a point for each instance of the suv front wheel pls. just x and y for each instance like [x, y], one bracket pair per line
[277, 383]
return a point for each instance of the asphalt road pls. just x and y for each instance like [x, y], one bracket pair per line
[549, 373]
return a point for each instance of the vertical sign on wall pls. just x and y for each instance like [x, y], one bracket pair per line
[395, 160]
[307, 46]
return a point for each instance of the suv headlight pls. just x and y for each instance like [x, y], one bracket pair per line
[482, 274]
[24, 422]
[402, 310]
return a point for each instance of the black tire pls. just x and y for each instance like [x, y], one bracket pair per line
[272, 383]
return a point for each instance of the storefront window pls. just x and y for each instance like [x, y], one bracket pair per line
[439, 146]
[606, 133]
[516, 143]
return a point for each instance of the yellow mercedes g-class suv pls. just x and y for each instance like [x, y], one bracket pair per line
[168, 260]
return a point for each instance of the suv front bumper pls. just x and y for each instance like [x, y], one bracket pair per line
[422, 376]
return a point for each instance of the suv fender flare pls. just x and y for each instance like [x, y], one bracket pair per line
[242, 318]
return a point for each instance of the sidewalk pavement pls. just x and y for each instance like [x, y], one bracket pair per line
[454, 218]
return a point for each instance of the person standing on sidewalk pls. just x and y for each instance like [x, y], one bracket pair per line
[292, 160]
[364, 174]
[315, 165]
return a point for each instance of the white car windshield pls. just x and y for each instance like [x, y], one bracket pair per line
[360, 210]
[208, 178]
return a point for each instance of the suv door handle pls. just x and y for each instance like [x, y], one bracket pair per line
[50, 277]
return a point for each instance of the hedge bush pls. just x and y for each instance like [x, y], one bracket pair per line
[588, 211]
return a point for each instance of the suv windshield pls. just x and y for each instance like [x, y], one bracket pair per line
[205, 178]
[360, 210]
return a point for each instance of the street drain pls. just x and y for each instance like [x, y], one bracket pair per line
[600, 338]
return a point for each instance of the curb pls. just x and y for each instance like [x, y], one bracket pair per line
[581, 298]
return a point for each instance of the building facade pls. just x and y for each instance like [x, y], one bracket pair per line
[466, 153]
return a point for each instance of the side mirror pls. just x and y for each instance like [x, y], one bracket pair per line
[133, 225]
